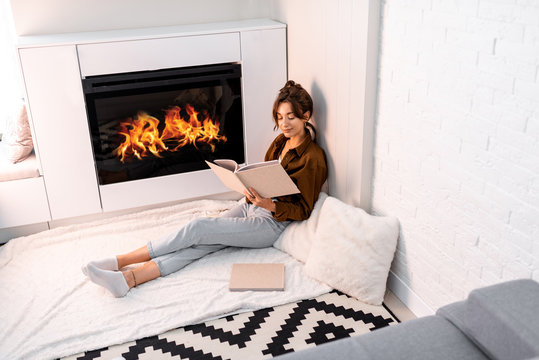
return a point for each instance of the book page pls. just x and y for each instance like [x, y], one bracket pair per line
[258, 164]
[227, 164]
[228, 177]
[269, 181]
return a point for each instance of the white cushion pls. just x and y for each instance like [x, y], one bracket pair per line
[18, 138]
[352, 251]
[297, 238]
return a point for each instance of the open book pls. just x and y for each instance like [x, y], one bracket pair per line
[268, 178]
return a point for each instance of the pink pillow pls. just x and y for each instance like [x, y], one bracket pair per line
[18, 138]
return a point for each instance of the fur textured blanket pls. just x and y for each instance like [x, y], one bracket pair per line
[50, 309]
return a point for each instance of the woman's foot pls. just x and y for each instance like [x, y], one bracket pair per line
[113, 281]
[110, 263]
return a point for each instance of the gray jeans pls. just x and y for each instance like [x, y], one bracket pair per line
[245, 225]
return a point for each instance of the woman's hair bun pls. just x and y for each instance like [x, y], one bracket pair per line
[289, 83]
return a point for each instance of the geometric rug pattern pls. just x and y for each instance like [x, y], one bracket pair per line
[260, 334]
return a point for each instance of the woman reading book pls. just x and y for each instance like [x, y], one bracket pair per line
[255, 223]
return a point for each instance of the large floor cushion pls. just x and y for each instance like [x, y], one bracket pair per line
[502, 319]
[430, 337]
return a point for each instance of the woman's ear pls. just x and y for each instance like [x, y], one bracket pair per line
[307, 115]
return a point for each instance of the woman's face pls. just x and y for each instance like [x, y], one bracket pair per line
[290, 125]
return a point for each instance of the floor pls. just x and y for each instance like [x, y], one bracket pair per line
[396, 306]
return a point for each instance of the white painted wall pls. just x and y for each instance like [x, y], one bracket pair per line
[457, 142]
[36, 17]
[332, 52]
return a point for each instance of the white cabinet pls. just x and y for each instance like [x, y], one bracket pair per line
[58, 115]
[22, 202]
[154, 54]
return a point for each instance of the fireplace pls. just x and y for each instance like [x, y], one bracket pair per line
[149, 124]
[73, 150]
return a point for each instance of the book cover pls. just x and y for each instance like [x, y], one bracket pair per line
[259, 276]
[268, 178]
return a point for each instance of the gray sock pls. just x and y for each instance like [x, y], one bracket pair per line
[110, 263]
[113, 281]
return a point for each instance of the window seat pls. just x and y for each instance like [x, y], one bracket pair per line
[27, 168]
[23, 199]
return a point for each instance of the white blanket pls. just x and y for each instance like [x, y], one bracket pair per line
[50, 309]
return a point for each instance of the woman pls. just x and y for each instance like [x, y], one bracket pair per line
[257, 223]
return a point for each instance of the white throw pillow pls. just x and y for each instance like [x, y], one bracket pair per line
[18, 138]
[297, 238]
[352, 250]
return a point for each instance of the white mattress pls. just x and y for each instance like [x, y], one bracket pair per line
[50, 309]
[25, 169]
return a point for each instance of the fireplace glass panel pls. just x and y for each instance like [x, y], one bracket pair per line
[159, 123]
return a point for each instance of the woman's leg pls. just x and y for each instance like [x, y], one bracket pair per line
[239, 210]
[146, 272]
[136, 256]
[142, 254]
[119, 282]
[256, 228]
[170, 263]
[117, 262]
[203, 236]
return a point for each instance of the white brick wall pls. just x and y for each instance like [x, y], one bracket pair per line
[457, 142]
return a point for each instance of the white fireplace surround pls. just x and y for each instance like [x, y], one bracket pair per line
[53, 66]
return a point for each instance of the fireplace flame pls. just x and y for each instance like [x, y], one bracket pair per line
[142, 138]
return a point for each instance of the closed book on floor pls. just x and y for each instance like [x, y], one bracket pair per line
[259, 276]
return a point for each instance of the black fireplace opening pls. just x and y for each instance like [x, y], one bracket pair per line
[163, 122]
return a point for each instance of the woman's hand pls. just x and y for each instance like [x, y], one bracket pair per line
[259, 201]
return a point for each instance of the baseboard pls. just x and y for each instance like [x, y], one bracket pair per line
[407, 296]
[7, 234]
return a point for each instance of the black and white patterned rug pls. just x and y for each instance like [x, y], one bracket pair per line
[260, 334]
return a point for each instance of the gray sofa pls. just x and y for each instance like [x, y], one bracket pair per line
[495, 322]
